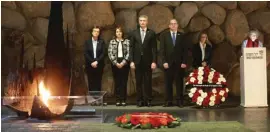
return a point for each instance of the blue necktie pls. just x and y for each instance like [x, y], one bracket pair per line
[173, 38]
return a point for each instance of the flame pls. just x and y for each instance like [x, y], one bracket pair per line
[44, 93]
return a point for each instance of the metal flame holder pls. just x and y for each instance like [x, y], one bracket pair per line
[88, 108]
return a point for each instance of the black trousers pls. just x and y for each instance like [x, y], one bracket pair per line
[94, 76]
[174, 73]
[143, 75]
[120, 81]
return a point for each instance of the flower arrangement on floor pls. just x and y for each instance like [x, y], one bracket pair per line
[207, 87]
[147, 121]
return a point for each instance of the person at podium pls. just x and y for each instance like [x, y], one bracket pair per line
[252, 41]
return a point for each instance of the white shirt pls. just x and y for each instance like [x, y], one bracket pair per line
[203, 50]
[94, 47]
[120, 48]
[143, 33]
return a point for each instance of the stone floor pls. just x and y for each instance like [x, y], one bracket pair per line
[257, 119]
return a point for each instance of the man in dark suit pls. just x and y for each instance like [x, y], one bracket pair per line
[174, 57]
[143, 59]
[94, 60]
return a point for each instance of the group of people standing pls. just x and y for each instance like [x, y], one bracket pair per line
[139, 53]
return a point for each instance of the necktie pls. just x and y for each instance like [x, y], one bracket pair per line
[142, 35]
[173, 37]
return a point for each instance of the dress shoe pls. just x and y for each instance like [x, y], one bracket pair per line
[168, 104]
[124, 103]
[140, 104]
[118, 104]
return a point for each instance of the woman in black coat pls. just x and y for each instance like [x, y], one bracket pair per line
[202, 52]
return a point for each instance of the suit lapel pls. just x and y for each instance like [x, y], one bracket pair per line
[170, 38]
[138, 35]
[200, 50]
[90, 44]
[146, 35]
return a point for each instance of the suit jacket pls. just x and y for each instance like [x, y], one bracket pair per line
[197, 55]
[148, 48]
[171, 53]
[89, 53]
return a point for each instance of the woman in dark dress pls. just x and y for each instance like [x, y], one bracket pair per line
[202, 52]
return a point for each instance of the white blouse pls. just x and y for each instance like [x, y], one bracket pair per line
[203, 50]
[120, 49]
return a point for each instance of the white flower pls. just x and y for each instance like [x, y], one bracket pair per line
[211, 73]
[198, 103]
[192, 79]
[187, 83]
[193, 90]
[200, 78]
[221, 79]
[191, 74]
[210, 76]
[218, 82]
[212, 98]
[204, 94]
[220, 75]
[200, 99]
[223, 99]
[227, 90]
[222, 92]
[200, 68]
[211, 103]
[200, 91]
[210, 80]
[213, 70]
[190, 95]
[200, 72]
[214, 90]
[200, 82]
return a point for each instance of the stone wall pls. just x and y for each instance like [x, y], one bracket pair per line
[227, 24]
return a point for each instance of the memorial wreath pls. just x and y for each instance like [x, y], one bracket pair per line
[147, 120]
[207, 87]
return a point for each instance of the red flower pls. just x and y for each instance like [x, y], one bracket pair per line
[135, 120]
[216, 75]
[205, 79]
[206, 70]
[144, 120]
[195, 71]
[155, 122]
[206, 101]
[169, 120]
[124, 120]
[195, 75]
[226, 95]
[163, 121]
[215, 79]
[118, 119]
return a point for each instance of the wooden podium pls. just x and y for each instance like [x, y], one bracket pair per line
[253, 76]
